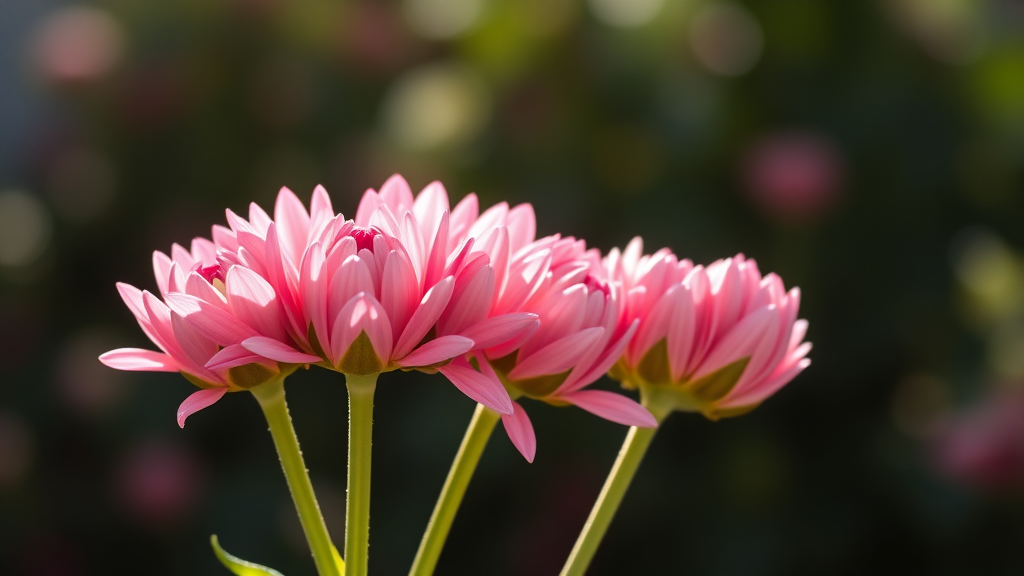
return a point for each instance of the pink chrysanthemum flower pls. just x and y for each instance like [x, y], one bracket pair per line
[581, 333]
[720, 339]
[304, 287]
[187, 349]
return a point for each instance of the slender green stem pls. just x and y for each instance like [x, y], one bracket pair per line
[360, 443]
[271, 399]
[473, 443]
[630, 456]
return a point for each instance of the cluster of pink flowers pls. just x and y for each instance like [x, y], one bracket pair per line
[412, 284]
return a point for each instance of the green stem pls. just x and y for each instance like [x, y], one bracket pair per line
[473, 443]
[630, 456]
[271, 399]
[360, 444]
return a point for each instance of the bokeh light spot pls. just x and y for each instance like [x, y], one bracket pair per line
[75, 44]
[25, 228]
[435, 106]
[442, 19]
[726, 38]
[625, 13]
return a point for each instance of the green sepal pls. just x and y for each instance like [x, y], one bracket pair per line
[654, 367]
[719, 383]
[251, 375]
[241, 567]
[541, 386]
[199, 382]
[361, 359]
[314, 342]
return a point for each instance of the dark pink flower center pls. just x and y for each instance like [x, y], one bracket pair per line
[594, 283]
[211, 272]
[364, 237]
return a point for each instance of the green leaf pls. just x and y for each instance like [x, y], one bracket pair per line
[238, 566]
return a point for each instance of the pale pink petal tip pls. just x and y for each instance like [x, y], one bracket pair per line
[197, 401]
[520, 432]
[137, 359]
[485, 390]
[437, 350]
[277, 351]
[230, 357]
[612, 406]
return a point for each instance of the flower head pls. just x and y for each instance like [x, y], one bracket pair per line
[581, 332]
[721, 339]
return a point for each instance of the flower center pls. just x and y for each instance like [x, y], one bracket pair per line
[364, 237]
[593, 284]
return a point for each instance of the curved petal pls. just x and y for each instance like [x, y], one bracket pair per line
[211, 321]
[612, 406]
[437, 350]
[292, 223]
[557, 357]
[487, 391]
[498, 329]
[231, 357]
[139, 360]
[254, 301]
[277, 351]
[197, 401]
[423, 319]
[520, 431]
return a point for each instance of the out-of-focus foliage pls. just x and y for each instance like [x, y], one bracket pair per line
[869, 152]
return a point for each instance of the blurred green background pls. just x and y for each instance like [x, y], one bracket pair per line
[869, 152]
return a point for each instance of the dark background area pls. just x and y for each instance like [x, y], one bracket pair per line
[869, 152]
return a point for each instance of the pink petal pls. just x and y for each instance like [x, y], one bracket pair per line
[498, 329]
[211, 321]
[437, 350]
[763, 390]
[197, 401]
[522, 226]
[292, 223]
[320, 208]
[231, 357]
[396, 194]
[520, 431]
[739, 342]
[278, 351]
[612, 406]
[429, 208]
[492, 217]
[197, 348]
[608, 359]
[436, 260]
[470, 303]
[253, 301]
[558, 356]
[423, 319]
[161, 269]
[361, 314]
[487, 391]
[139, 360]
[399, 290]
[512, 345]
[259, 218]
[462, 217]
[367, 206]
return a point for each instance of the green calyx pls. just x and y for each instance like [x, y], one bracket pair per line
[538, 388]
[653, 376]
[361, 359]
